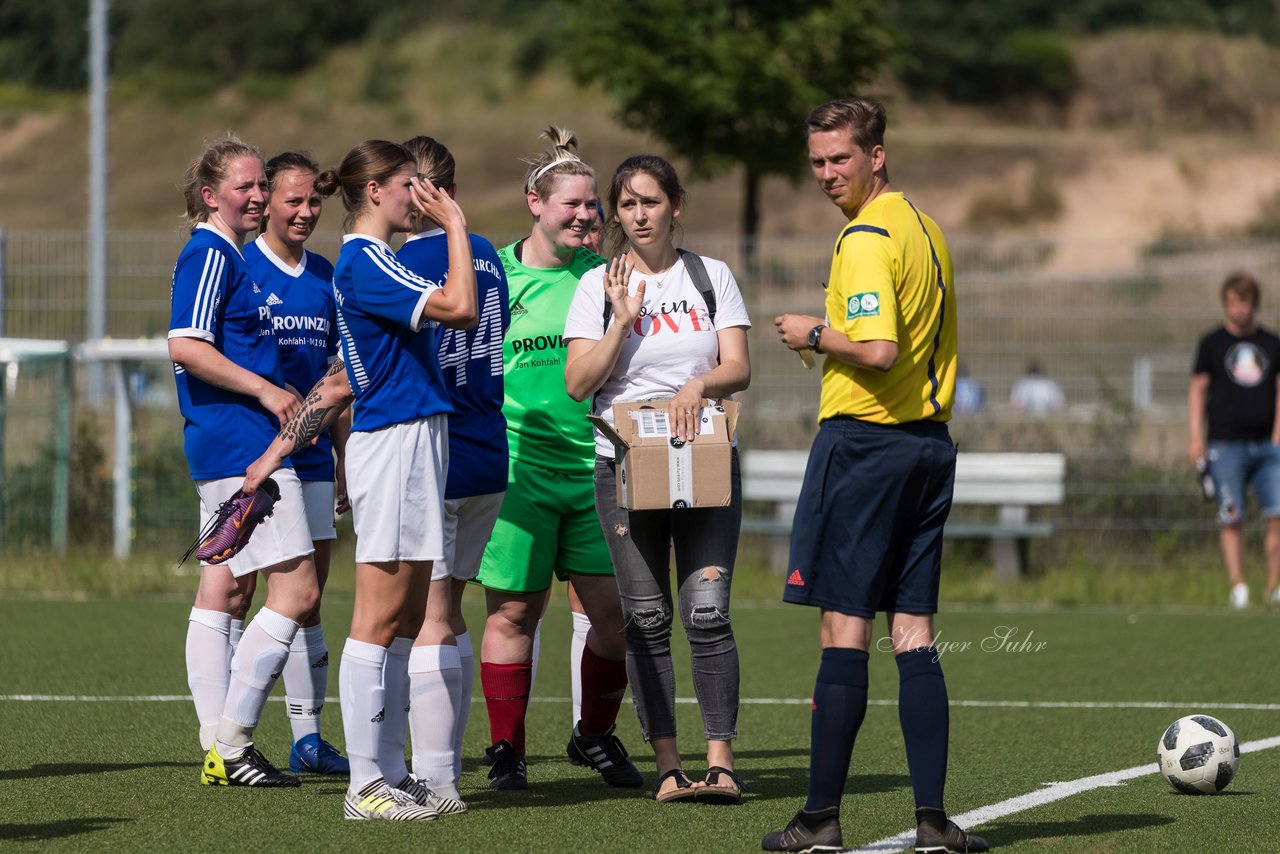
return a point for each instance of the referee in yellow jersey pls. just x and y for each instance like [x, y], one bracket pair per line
[877, 490]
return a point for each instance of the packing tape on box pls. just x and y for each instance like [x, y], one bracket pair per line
[680, 474]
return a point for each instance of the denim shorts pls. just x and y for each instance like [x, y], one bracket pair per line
[1236, 466]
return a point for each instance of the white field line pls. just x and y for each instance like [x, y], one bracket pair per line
[746, 701]
[1047, 795]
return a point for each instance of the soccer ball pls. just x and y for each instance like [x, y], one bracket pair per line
[1198, 755]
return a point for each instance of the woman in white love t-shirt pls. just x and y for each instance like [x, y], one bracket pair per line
[663, 340]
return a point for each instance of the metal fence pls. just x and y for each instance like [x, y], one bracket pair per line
[1114, 325]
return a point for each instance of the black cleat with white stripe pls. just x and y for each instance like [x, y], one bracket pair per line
[606, 755]
[250, 768]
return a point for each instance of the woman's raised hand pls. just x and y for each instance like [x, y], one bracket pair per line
[626, 308]
[435, 204]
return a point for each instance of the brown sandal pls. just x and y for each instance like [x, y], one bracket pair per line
[683, 791]
[715, 792]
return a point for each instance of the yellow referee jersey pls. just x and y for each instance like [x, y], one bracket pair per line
[891, 280]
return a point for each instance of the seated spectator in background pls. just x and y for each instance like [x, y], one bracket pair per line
[1036, 394]
[971, 397]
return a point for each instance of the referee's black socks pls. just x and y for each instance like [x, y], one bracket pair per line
[839, 705]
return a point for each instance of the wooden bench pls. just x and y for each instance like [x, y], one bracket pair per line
[1012, 483]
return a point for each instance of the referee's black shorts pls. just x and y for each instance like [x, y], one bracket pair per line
[867, 535]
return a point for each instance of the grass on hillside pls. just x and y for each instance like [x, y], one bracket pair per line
[83, 775]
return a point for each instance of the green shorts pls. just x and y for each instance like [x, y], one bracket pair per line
[548, 524]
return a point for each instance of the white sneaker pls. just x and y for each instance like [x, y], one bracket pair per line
[1275, 597]
[444, 802]
[379, 801]
[1240, 596]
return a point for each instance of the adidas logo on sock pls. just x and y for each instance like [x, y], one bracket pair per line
[322, 661]
[379, 717]
[795, 579]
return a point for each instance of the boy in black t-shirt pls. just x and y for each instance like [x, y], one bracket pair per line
[1233, 384]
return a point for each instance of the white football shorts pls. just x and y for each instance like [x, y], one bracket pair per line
[395, 480]
[317, 495]
[468, 523]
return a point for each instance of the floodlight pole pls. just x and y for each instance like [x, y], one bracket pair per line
[97, 261]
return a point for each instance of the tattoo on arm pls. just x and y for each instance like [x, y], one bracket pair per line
[304, 427]
[312, 418]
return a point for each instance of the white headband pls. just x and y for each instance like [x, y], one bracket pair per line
[571, 158]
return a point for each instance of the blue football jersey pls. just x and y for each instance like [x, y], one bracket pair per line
[389, 352]
[305, 320]
[215, 299]
[471, 360]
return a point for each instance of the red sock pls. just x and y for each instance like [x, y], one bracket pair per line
[604, 683]
[506, 695]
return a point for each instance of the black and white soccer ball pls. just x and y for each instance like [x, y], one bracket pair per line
[1198, 755]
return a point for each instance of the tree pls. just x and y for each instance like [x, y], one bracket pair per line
[43, 43]
[726, 82]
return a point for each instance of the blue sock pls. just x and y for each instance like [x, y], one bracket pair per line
[922, 711]
[839, 705]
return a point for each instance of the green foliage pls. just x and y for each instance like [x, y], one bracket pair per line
[1037, 62]
[725, 82]
[982, 52]
[28, 494]
[1007, 49]
[44, 44]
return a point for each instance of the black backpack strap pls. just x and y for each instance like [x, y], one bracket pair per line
[698, 272]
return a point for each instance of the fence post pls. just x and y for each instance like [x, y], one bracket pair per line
[4, 239]
[61, 458]
[1142, 386]
[122, 514]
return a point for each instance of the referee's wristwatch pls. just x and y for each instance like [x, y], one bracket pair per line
[815, 338]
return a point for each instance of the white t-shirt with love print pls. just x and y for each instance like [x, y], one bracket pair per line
[671, 341]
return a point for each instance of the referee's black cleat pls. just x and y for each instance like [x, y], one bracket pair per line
[607, 755]
[808, 833]
[937, 835]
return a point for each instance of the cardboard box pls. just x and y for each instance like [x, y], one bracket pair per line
[656, 471]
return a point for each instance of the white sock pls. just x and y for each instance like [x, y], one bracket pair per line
[466, 664]
[537, 643]
[581, 625]
[237, 632]
[435, 683]
[362, 698]
[306, 675]
[395, 685]
[208, 668]
[259, 658]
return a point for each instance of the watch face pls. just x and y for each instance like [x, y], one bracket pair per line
[815, 335]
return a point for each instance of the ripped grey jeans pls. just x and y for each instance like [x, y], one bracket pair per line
[706, 545]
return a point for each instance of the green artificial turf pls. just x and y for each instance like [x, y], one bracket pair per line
[1066, 694]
